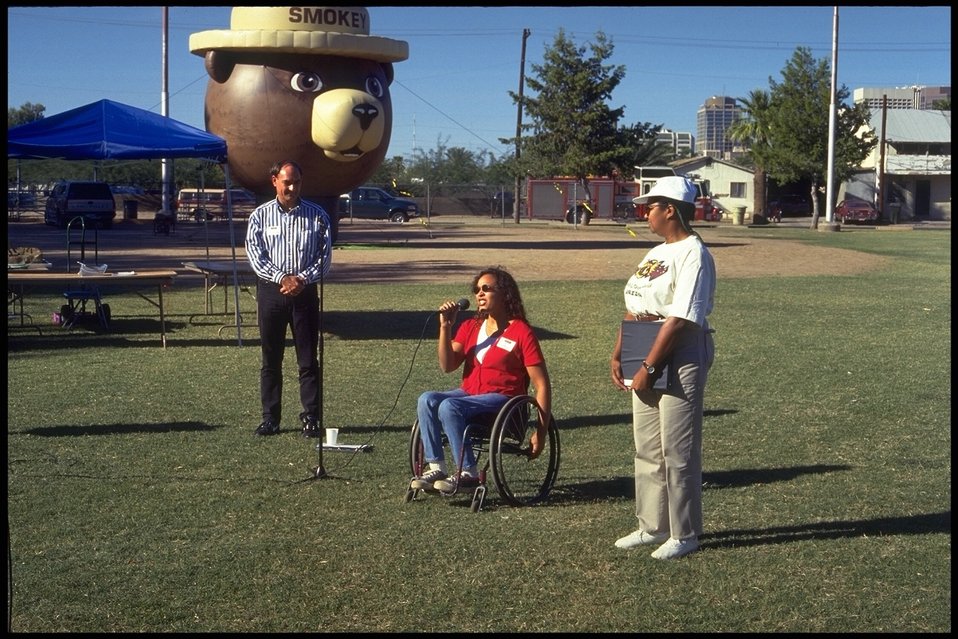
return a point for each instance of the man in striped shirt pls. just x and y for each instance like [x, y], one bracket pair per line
[288, 244]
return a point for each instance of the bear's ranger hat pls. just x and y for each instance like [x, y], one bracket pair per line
[339, 31]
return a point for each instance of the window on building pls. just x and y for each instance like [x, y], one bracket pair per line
[738, 189]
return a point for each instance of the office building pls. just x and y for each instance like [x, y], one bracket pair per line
[682, 143]
[913, 97]
[713, 119]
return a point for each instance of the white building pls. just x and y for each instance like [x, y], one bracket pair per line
[731, 185]
[682, 143]
[913, 97]
[917, 164]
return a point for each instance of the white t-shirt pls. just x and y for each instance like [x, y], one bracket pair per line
[676, 279]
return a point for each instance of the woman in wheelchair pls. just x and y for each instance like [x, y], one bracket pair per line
[500, 356]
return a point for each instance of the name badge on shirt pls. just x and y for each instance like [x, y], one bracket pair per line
[506, 344]
[272, 230]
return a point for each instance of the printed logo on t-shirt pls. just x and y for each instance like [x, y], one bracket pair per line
[652, 269]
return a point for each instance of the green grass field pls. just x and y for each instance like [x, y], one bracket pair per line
[138, 499]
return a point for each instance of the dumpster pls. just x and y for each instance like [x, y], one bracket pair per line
[130, 209]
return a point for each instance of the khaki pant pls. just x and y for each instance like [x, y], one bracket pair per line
[667, 428]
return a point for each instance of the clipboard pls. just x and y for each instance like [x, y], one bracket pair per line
[637, 340]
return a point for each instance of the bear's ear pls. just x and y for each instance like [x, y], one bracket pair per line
[219, 65]
[388, 70]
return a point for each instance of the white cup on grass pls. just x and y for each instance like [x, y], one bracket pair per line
[332, 436]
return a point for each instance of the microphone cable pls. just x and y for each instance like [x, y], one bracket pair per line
[463, 304]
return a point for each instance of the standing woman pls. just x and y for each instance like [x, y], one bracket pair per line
[675, 286]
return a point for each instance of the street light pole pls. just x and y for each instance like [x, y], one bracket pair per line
[829, 187]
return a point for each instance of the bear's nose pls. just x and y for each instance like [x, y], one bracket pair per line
[366, 114]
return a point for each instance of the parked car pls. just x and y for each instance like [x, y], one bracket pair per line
[790, 205]
[855, 209]
[20, 199]
[93, 201]
[374, 203]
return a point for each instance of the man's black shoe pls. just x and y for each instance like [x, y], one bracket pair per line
[311, 427]
[268, 427]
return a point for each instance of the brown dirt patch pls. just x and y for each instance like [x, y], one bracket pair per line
[452, 248]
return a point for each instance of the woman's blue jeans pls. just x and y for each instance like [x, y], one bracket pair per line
[451, 411]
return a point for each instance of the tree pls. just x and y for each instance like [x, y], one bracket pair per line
[28, 112]
[753, 131]
[941, 104]
[572, 129]
[641, 147]
[798, 127]
[392, 169]
[444, 165]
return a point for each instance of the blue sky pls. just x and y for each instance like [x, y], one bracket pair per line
[462, 62]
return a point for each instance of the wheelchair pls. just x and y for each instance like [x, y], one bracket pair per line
[501, 442]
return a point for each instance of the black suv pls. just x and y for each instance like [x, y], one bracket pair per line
[93, 201]
[374, 203]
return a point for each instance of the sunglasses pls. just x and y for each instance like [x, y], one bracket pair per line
[485, 288]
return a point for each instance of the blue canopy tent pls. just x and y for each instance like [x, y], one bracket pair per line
[108, 130]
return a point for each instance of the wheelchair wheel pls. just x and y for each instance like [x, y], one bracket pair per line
[522, 481]
[416, 455]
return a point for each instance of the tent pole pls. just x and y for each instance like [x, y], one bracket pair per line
[229, 216]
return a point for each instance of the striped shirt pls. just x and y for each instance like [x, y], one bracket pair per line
[296, 242]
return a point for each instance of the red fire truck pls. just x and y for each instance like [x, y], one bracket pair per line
[564, 198]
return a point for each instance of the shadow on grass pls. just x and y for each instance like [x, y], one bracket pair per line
[337, 325]
[588, 421]
[929, 523]
[624, 487]
[115, 429]
[125, 332]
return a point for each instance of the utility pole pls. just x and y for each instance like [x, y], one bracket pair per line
[522, 80]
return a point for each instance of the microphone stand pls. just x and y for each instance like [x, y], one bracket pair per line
[320, 472]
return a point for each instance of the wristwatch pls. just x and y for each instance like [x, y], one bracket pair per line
[652, 369]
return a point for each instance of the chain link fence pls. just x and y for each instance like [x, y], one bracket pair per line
[458, 199]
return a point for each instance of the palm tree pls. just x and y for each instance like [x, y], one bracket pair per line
[753, 132]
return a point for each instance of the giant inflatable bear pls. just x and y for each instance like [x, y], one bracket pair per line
[307, 84]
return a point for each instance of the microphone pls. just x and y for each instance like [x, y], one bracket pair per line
[463, 304]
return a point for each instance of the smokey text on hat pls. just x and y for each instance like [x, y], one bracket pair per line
[329, 16]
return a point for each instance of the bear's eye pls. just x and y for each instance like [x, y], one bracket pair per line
[374, 87]
[306, 82]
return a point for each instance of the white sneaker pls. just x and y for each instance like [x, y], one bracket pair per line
[450, 484]
[428, 478]
[675, 548]
[640, 538]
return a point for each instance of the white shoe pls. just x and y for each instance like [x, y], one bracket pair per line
[450, 484]
[640, 538]
[428, 478]
[675, 548]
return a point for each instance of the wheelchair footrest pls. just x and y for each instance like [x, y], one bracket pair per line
[478, 497]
